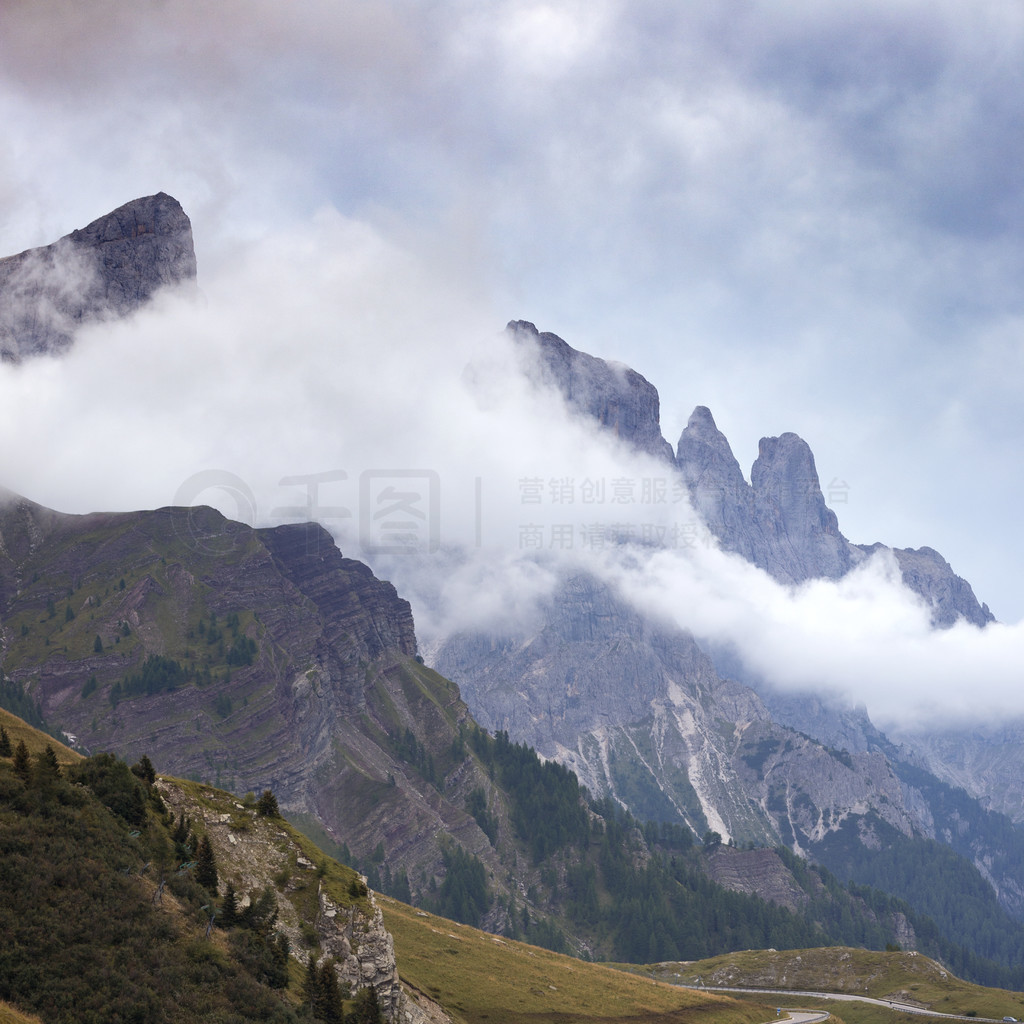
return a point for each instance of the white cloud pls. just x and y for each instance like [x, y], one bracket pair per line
[805, 216]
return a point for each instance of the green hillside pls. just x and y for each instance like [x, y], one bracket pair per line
[480, 977]
[106, 921]
[902, 977]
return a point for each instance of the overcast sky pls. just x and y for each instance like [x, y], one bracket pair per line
[806, 216]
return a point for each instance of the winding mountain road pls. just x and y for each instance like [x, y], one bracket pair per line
[808, 1016]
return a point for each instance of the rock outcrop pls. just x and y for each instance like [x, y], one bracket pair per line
[103, 271]
[256, 854]
[755, 873]
[779, 521]
[950, 596]
[619, 398]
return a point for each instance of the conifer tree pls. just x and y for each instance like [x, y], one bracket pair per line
[311, 984]
[49, 758]
[143, 768]
[22, 765]
[367, 1009]
[329, 1006]
[5, 743]
[206, 865]
[47, 771]
[267, 806]
[229, 908]
[181, 830]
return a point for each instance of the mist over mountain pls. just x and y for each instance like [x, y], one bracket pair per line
[105, 270]
[703, 651]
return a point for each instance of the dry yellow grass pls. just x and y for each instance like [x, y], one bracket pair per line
[35, 741]
[9, 1015]
[480, 978]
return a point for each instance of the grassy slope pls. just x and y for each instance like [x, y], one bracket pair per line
[473, 975]
[905, 977]
[479, 977]
[9, 1015]
[35, 740]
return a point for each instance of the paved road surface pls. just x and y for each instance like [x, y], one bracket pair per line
[901, 1007]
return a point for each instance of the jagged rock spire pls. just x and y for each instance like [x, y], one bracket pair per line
[800, 531]
[718, 492]
[779, 521]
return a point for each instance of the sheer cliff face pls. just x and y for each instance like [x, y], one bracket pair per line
[638, 711]
[617, 397]
[103, 271]
[801, 534]
[716, 485]
[780, 522]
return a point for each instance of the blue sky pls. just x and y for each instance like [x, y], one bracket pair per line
[806, 216]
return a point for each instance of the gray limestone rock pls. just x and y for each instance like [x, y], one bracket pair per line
[105, 270]
[951, 597]
[779, 521]
[985, 761]
[637, 710]
[619, 398]
[718, 491]
[801, 534]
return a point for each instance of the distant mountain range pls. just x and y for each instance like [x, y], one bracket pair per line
[264, 658]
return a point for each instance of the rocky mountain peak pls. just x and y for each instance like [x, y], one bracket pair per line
[702, 424]
[717, 489]
[790, 510]
[105, 270]
[619, 398]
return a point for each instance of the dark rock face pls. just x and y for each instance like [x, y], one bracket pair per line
[103, 271]
[617, 397]
[352, 602]
[756, 873]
